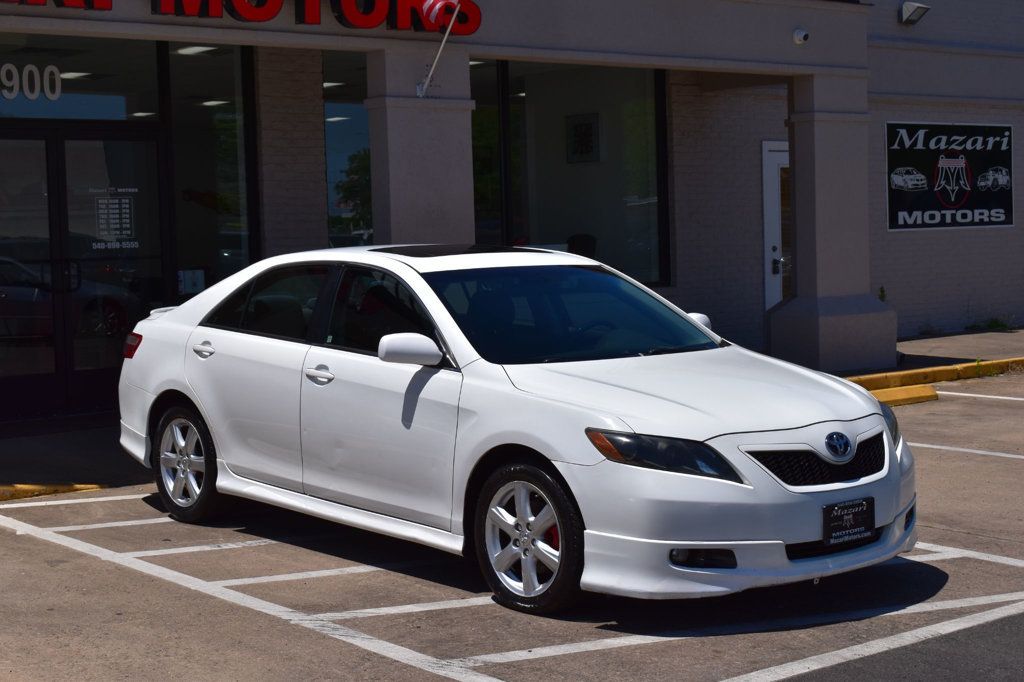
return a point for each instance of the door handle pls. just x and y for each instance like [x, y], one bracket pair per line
[777, 265]
[320, 375]
[203, 350]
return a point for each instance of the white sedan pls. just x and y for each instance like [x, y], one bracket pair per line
[571, 428]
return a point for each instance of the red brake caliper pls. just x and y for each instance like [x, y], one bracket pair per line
[551, 537]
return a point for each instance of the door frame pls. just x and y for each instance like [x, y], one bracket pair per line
[67, 389]
[774, 157]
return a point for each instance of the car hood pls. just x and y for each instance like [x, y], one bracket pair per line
[699, 395]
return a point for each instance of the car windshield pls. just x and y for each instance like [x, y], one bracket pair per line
[537, 314]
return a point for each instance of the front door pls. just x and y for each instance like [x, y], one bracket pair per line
[79, 264]
[778, 224]
[376, 435]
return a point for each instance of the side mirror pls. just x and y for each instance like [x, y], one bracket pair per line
[701, 319]
[409, 349]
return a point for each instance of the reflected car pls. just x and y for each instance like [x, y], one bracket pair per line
[568, 428]
[994, 179]
[908, 179]
[26, 304]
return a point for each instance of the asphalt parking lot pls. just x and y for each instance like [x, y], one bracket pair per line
[104, 585]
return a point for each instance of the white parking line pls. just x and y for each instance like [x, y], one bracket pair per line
[935, 556]
[284, 577]
[110, 524]
[333, 630]
[408, 608]
[53, 503]
[787, 670]
[990, 453]
[971, 554]
[740, 628]
[198, 548]
[978, 395]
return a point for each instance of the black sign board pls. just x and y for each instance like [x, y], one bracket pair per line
[943, 175]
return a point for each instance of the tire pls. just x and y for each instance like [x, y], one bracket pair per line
[529, 569]
[185, 465]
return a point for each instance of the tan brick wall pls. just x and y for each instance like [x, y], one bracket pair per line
[717, 223]
[293, 172]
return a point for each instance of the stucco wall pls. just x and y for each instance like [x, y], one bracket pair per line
[717, 221]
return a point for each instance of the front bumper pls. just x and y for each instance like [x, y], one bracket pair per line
[635, 517]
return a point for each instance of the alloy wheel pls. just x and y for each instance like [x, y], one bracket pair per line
[522, 536]
[182, 462]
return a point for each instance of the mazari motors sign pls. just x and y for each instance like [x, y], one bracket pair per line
[949, 175]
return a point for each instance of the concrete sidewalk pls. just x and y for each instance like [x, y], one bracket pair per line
[959, 348]
[67, 450]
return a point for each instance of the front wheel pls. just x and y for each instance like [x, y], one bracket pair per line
[185, 465]
[529, 539]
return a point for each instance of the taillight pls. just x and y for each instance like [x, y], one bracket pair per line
[131, 345]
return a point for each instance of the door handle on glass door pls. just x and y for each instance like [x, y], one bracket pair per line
[320, 375]
[203, 350]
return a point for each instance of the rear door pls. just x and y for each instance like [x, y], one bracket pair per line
[377, 435]
[245, 364]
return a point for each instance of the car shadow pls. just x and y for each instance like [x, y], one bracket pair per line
[866, 593]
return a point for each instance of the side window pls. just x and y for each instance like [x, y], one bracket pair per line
[277, 303]
[371, 304]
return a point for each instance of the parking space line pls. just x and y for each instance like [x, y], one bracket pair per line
[325, 573]
[978, 395]
[833, 658]
[198, 548]
[935, 556]
[971, 554]
[84, 500]
[408, 608]
[740, 628]
[969, 451]
[110, 524]
[341, 633]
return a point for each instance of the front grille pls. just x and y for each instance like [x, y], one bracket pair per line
[805, 467]
[810, 550]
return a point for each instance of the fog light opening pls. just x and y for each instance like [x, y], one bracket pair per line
[909, 518]
[703, 558]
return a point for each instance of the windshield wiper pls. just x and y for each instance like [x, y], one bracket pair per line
[668, 350]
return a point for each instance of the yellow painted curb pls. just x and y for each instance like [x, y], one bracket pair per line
[906, 395]
[930, 375]
[20, 490]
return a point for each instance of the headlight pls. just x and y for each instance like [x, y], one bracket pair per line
[891, 423]
[666, 454]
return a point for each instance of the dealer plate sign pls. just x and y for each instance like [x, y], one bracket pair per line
[949, 175]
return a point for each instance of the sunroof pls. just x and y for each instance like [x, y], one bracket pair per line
[438, 250]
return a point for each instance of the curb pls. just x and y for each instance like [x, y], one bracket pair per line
[906, 395]
[18, 491]
[931, 375]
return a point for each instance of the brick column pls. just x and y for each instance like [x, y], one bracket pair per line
[835, 322]
[421, 149]
[292, 167]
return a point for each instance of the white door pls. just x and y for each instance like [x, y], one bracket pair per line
[378, 436]
[245, 365]
[778, 256]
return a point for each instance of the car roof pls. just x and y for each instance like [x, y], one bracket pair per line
[444, 257]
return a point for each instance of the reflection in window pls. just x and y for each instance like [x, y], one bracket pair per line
[76, 78]
[582, 173]
[347, 133]
[210, 204]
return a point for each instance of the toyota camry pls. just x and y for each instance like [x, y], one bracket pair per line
[569, 428]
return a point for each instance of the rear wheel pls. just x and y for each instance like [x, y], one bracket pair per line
[185, 465]
[529, 539]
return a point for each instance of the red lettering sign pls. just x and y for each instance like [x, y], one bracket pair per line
[254, 10]
[349, 15]
[189, 8]
[102, 5]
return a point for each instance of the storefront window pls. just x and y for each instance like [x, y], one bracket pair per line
[77, 78]
[347, 133]
[210, 203]
[580, 148]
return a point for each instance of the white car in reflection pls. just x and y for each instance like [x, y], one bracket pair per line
[568, 427]
[994, 179]
[908, 179]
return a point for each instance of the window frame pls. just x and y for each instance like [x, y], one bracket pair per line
[316, 321]
[448, 361]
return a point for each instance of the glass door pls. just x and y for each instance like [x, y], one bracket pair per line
[29, 325]
[80, 264]
[111, 250]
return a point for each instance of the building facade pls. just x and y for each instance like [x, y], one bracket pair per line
[820, 177]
